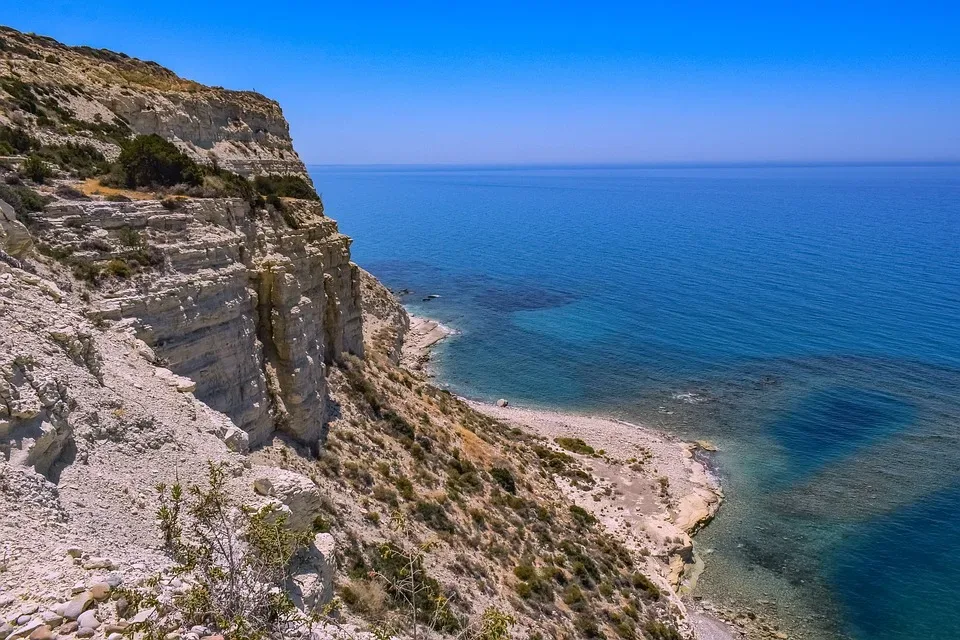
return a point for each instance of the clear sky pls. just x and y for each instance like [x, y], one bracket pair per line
[587, 82]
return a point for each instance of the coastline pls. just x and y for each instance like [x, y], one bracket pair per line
[421, 336]
[652, 490]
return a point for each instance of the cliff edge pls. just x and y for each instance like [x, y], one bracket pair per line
[205, 431]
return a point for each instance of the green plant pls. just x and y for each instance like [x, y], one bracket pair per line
[581, 516]
[14, 140]
[285, 186]
[81, 160]
[656, 630]
[23, 199]
[575, 445]
[35, 169]
[129, 237]
[504, 477]
[239, 565]
[402, 571]
[149, 161]
[119, 268]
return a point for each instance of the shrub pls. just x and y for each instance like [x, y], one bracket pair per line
[130, 237]
[119, 268]
[81, 160]
[14, 140]
[572, 596]
[581, 516]
[23, 199]
[642, 582]
[366, 597]
[504, 478]
[284, 186]
[575, 445]
[434, 516]
[524, 571]
[149, 161]
[70, 193]
[401, 569]
[405, 487]
[240, 594]
[656, 630]
[35, 169]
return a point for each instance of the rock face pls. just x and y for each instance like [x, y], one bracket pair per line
[100, 94]
[248, 308]
[15, 240]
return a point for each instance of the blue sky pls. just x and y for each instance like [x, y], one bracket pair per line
[589, 82]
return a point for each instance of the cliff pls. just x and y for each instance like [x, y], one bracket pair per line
[252, 310]
[95, 96]
[154, 337]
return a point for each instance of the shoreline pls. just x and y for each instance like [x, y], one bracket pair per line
[421, 337]
[653, 490]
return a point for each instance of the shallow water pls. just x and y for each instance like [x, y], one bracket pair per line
[805, 320]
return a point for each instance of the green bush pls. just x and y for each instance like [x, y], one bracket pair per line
[576, 445]
[284, 186]
[81, 160]
[581, 516]
[524, 571]
[35, 169]
[23, 199]
[656, 630]
[239, 594]
[504, 478]
[150, 161]
[119, 268]
[434, 516]
[14, 141]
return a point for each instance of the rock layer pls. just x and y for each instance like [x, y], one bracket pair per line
[101, 94]
[248, 307]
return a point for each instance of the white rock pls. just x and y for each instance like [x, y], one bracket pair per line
[78, 605]
[236, 440]
[294, 491]
[26, 629]
[143, 616]
[88, 620]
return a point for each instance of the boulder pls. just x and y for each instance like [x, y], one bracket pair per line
[295, 492]
[88, 620]
[14, 237]
[180, 383]
[311, 579]
[78, 605]
[502, 403]
[236, 440]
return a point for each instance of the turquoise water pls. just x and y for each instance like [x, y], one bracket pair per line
[806, 320]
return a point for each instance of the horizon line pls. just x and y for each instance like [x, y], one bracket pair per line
[775, 164]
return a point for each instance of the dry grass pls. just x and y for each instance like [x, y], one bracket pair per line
[92, 187]
[475, 448]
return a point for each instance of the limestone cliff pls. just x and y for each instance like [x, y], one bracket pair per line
[248, 307]
[87, 95]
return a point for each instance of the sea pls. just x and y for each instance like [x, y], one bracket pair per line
[805, 320]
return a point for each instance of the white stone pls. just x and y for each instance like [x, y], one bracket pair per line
[88, 620]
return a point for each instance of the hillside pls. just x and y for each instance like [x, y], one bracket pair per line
[209, 330]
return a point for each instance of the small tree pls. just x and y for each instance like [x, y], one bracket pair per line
[150, 160]
[238, 557]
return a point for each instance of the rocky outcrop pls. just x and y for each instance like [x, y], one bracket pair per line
[98, 96]
[15, 240]
[249, 308]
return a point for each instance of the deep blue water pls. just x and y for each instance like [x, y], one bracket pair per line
[806, 320]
